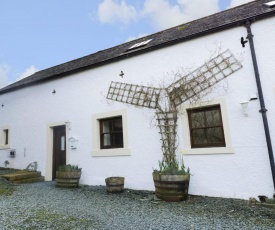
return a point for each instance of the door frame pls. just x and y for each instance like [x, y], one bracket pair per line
[49, 147]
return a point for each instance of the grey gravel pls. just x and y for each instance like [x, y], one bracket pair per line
[43, 206]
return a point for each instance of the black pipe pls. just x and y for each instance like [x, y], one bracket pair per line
[261, 98]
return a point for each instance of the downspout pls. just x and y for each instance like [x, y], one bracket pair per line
[261, 98]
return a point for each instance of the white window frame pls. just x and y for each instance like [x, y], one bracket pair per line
[187, 149]
[96, 151]
[3, 137]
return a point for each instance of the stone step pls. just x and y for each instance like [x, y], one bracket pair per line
[30, 180]
[23, 175]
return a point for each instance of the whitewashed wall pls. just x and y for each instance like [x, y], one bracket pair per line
[242, 174]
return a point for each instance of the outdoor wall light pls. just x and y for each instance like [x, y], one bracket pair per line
[253, 96]
[244, 105]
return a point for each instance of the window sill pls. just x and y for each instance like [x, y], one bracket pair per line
[219, 150]
[111, 152]
[4, 146]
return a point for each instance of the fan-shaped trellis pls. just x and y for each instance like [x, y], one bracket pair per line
[187, 87]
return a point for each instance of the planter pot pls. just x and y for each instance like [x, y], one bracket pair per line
[67, 179]
[171, 187]
[114, 184]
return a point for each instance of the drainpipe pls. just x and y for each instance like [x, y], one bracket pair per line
[261, 98]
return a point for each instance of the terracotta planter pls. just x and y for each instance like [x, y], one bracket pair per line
[114, 184]
[67, 179]
[171, 187]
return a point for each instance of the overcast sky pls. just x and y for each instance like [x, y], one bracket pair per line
[36, 35]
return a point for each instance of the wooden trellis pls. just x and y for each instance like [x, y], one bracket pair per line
[187, 87]
[134, 94]
[167, 123]
[203, 77]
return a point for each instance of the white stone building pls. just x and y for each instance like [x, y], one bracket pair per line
[41, 115]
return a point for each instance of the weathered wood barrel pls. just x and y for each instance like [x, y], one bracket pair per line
[67, 179]
[171, 187]
[114, 184]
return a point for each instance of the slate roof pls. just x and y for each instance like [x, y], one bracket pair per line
[220, 21]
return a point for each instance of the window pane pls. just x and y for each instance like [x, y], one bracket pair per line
[111, 133]
[117, 125]
[62, 144]
[106, 139]
[119, 139]
[199, 136]
[215, 135]
[197, 119]
[212, 117]
[206, 128]
[107, 126]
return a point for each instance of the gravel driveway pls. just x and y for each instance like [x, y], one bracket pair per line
[42, 206]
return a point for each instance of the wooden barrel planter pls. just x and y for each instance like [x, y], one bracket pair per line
[171, 187]
[67, 179]
[114, 184]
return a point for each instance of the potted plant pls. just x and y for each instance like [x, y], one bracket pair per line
[171, 181]
[67, 176]
[114, 184]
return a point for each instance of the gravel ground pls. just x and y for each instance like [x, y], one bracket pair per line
[43, 206]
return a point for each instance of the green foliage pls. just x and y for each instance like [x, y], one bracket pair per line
[54, 220]
[6, 191]
[173, 167]
[182, 27]
[69, 168]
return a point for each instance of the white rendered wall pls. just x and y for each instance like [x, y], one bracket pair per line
[29, 112]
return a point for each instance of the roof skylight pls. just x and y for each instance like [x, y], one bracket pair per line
[140, 44]
[270, 4]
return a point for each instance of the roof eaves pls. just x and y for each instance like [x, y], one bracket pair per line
[203, 26]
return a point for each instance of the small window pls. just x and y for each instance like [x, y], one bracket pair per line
[111, 133]
[6, 136]
[206, 127]
[140, 44]
[120, 134]
[270, 4]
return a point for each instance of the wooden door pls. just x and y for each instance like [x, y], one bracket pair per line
[59, 148]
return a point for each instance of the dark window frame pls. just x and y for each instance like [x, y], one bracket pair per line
[112, 133]
[205, 127]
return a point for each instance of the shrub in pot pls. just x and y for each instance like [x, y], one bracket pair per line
[171, 181]
[68, 176]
